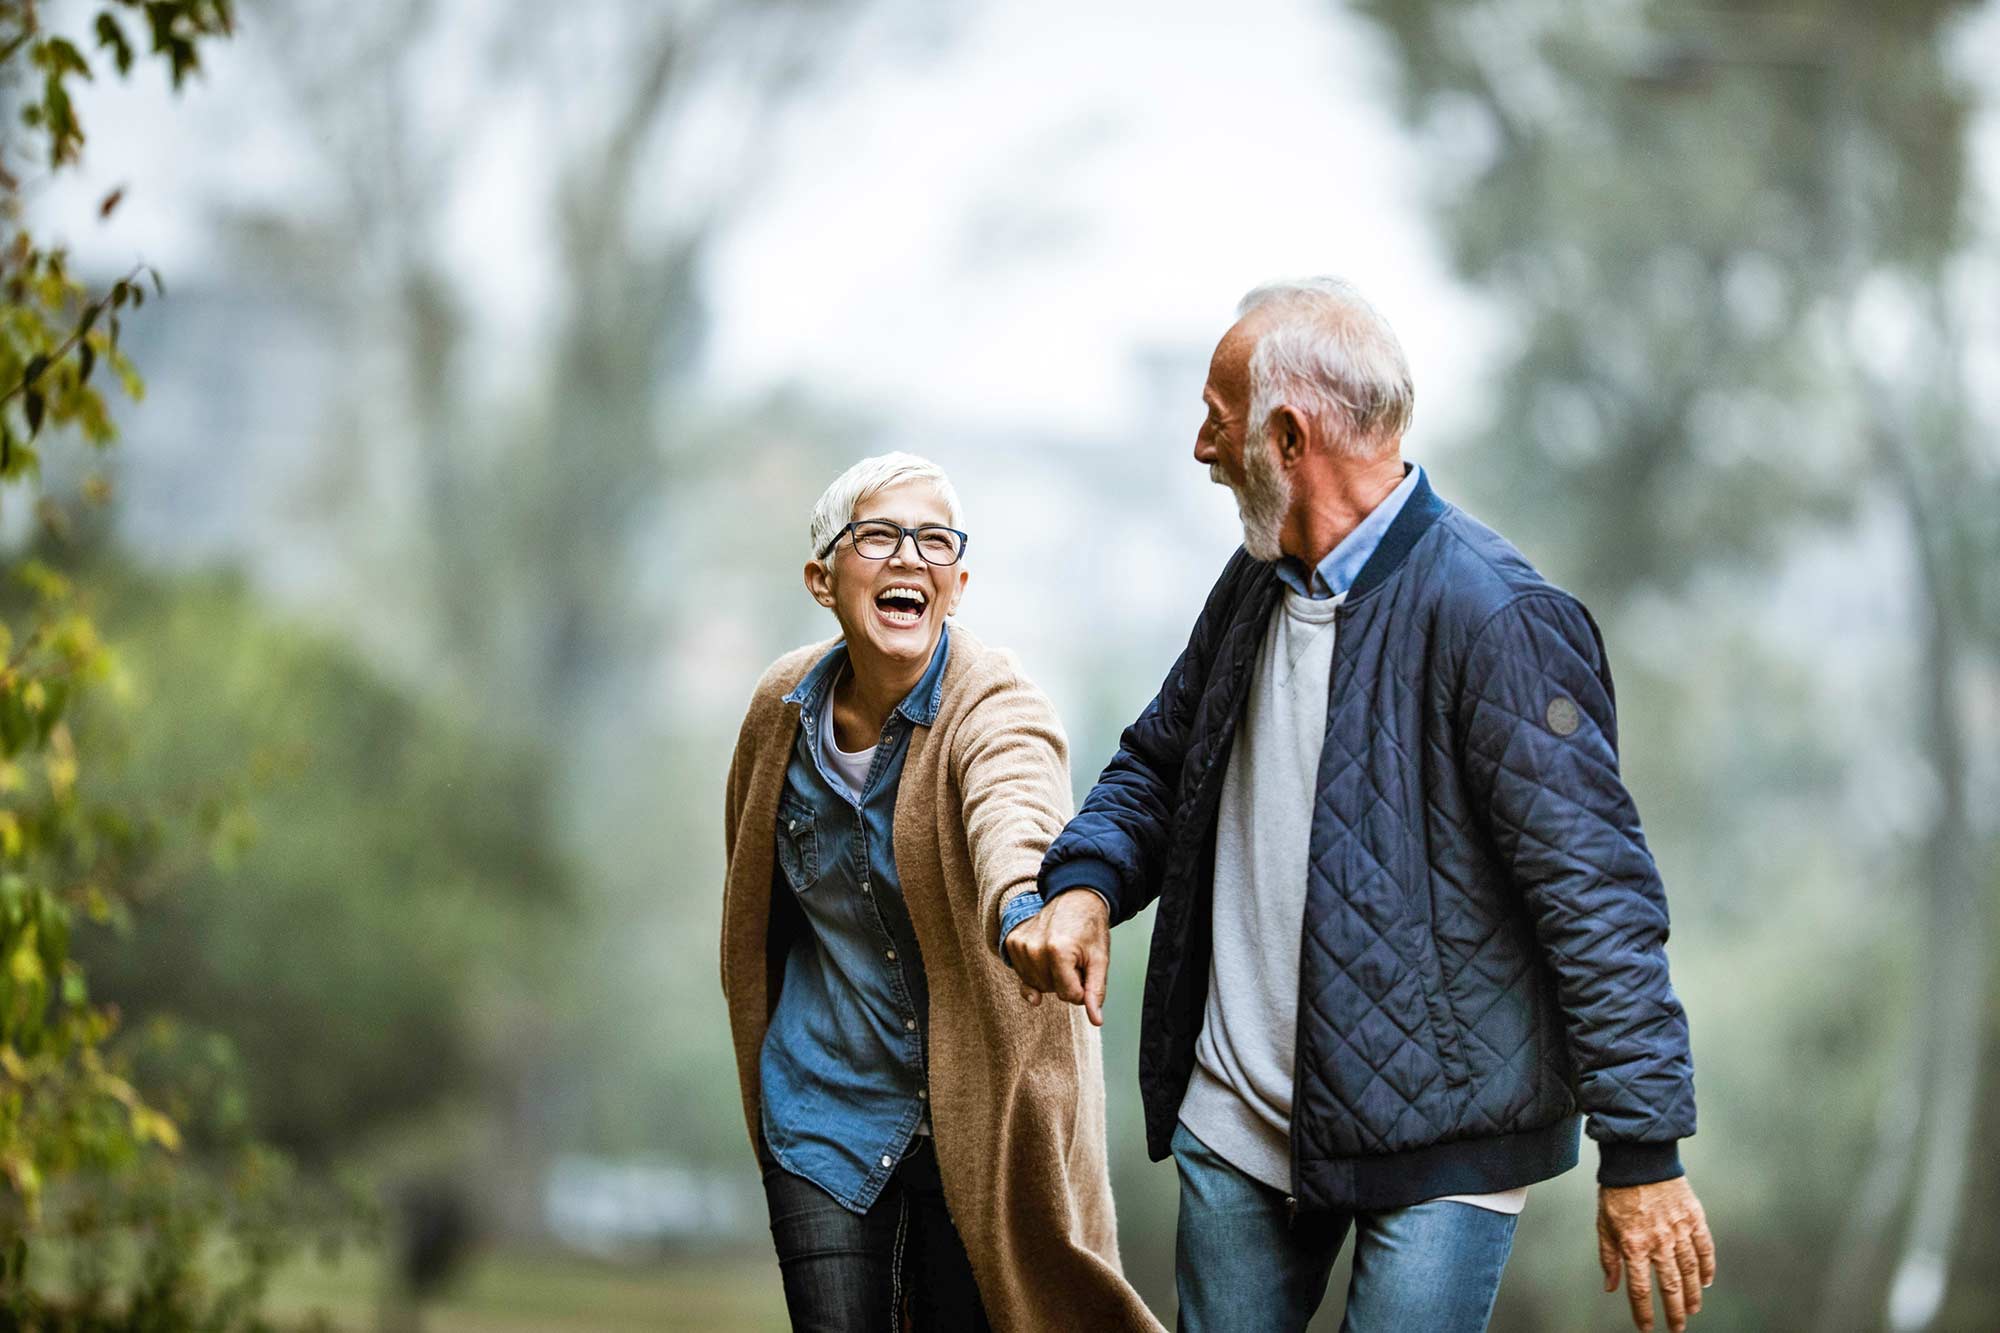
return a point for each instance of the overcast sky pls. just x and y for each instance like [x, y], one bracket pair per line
[989, 231]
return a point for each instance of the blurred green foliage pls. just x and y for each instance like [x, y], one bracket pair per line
[378, 867]
[103, 1223]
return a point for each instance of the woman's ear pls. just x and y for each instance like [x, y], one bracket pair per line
[819, 582]
[958, 591]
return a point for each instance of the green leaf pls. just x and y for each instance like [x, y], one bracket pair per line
[36, 365]
[55, 698]
[111, 35]
[64, 56]
[86, 361]
[34, 405]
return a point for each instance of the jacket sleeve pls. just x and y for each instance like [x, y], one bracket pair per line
[1011, 762]
[1540, 756]
[1117, 843]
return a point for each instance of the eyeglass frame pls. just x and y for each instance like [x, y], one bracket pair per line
[902, 534]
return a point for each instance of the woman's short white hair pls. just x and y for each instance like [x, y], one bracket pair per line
[835, 509]
[1329, 353]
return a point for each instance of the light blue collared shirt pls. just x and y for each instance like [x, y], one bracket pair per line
[1330, 578]
[844, 1062]
[1343, 564]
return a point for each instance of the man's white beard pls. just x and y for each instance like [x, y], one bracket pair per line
[1263, 499]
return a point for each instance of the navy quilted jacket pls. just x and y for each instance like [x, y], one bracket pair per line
[1483, 945]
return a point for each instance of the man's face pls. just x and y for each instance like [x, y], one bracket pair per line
[895, 606]
[1238, 452]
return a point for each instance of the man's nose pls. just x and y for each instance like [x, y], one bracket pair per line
[1204, 452]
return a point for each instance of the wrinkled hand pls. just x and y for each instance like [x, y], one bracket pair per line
[1641, 1228]
[1065, 950]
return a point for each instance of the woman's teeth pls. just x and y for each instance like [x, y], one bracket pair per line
[902, 606]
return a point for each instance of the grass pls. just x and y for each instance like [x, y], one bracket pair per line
[548, 1293]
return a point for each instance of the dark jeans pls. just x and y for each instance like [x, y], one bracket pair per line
[1243, 1267]
[846, 1272]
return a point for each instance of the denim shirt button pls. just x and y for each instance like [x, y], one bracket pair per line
[888, 1161]
[891, 955]
[909, 1025]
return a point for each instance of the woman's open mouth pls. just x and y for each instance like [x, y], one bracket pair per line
[901, 605]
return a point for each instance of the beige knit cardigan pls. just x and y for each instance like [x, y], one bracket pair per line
[1016, 1092]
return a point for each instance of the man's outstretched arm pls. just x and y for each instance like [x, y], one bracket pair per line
[1059, 941]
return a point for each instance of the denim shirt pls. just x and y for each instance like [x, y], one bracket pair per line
[1333, 575]
[843, 1062]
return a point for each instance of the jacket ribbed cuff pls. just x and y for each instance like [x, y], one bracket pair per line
[1621, 1164]
[1085, 872]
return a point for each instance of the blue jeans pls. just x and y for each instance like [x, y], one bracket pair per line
[845, 1271]
[1240, 1265]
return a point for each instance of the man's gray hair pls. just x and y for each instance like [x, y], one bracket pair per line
[1330, 354]
[835, 509]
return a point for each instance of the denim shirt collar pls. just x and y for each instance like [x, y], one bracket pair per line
[919, 706]
[1343, 564]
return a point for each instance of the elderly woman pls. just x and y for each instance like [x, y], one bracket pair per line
[933, 1150]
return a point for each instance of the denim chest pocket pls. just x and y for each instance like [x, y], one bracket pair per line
[798, 847]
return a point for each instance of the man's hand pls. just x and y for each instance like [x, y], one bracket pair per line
[1659, 1226]
[1065, 949]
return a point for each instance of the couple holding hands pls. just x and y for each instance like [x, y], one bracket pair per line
[1409, 935]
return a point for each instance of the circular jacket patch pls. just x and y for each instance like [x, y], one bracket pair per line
[1563, 717]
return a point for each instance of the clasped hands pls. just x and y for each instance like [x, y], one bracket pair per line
[1064, 950]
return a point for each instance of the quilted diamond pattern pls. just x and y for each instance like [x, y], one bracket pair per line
[1483, 946]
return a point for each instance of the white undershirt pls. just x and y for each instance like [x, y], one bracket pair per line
[850, 770]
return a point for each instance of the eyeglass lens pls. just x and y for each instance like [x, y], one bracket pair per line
[878, 541]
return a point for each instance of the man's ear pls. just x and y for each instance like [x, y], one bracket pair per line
[819, 582]
[1287, 430]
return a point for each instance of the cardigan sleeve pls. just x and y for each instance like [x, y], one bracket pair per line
[1011, 762]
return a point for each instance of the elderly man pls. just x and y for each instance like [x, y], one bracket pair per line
[1409, 927]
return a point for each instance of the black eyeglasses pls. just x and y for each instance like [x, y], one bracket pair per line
[878, 539]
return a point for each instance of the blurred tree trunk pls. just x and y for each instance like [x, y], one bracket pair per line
[1949, 1023]
[531, 507]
